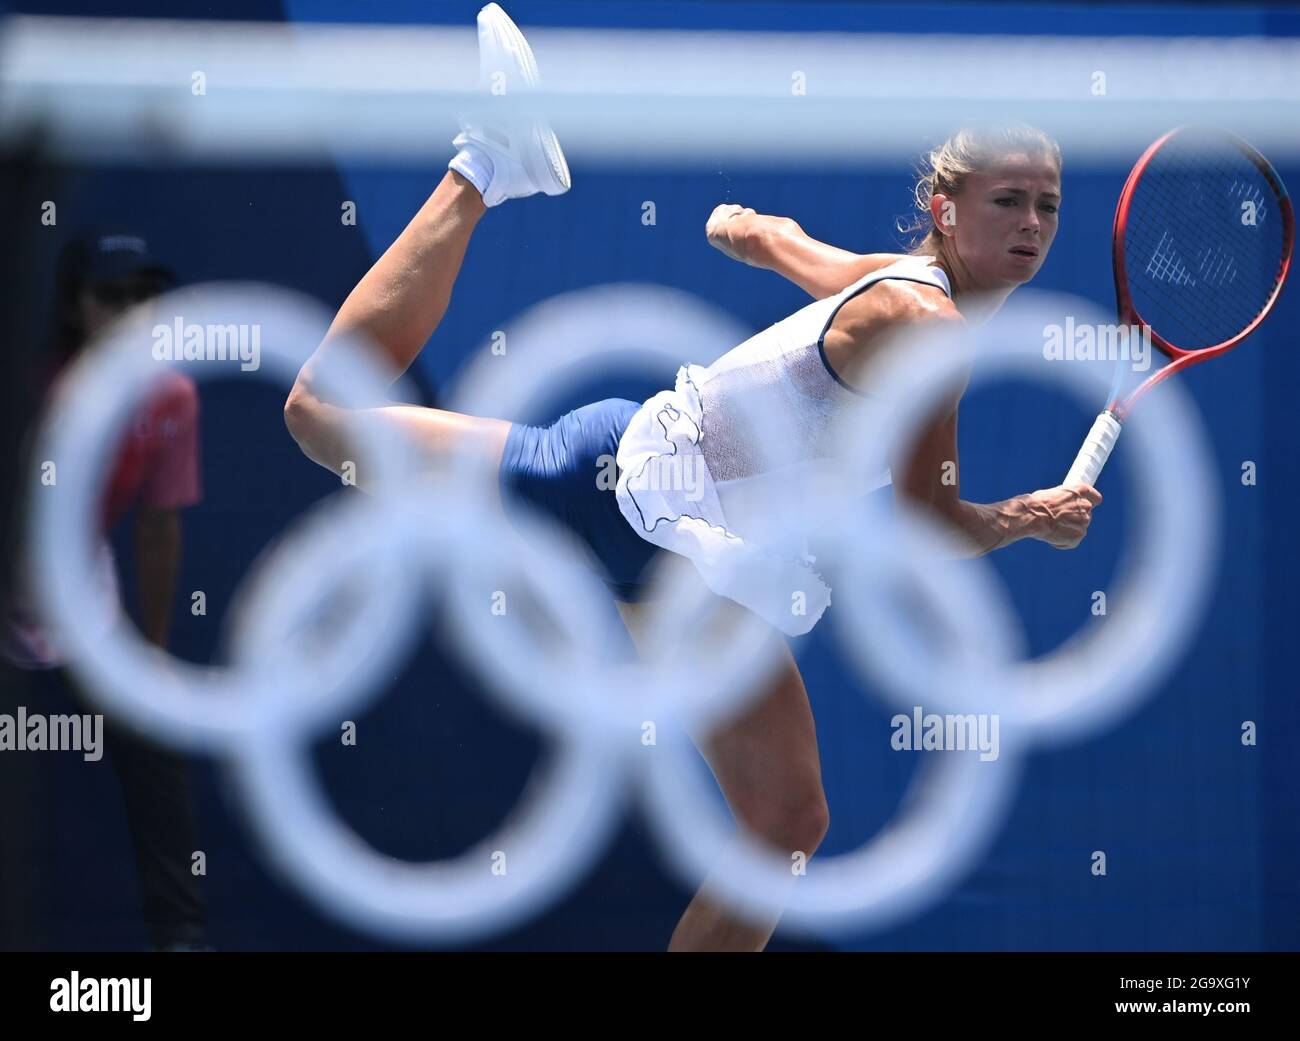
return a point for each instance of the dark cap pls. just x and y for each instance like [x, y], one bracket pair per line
[101, 253]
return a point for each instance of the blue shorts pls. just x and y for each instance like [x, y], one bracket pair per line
[554, 470]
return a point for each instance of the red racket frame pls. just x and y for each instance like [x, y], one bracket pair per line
[1128, 313]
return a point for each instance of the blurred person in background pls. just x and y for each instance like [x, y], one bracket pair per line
[101, 275]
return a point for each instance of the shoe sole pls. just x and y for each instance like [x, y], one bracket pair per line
[553, 176]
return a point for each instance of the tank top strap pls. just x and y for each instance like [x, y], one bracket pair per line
[912, 268]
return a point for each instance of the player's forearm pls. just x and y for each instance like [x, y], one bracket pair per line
[157, 559]
[819, 269]
[984, 527]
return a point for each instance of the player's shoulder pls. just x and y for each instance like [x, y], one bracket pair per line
[884, 313]
[896, 302]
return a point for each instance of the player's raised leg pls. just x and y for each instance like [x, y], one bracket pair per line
[402, 298]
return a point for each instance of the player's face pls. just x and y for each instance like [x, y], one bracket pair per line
[1005, 219]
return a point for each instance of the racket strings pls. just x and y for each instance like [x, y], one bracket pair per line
[1204, 243]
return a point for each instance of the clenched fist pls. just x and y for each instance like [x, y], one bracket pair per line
[1066, 513]
[733, 230]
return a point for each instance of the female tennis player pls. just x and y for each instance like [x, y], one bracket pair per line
[992, 199]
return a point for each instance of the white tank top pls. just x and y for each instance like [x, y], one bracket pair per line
[692, 481]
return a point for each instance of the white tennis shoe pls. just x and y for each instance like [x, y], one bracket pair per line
[508, 156]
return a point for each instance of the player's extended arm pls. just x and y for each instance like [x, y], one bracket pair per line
[779, 244]
[931, 478]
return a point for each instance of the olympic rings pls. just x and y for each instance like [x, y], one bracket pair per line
[280, 685]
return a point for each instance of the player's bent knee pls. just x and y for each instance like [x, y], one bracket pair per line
[313, 426]
[297, 416]
[800, 825]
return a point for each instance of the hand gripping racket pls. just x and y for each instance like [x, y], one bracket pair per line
[1203, 238]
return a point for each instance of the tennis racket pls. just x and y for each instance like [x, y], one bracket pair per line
[1204, 233]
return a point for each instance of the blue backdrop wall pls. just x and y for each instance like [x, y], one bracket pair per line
[1200, 831]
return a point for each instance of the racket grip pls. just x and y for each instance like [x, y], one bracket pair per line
[1095, 451]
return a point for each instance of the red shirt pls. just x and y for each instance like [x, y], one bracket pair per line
[157, 466]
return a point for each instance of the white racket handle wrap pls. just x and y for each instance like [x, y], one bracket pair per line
[1095, 451]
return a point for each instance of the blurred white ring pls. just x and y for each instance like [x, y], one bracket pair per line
[1098, 674]
[195, 706]
[582, 335]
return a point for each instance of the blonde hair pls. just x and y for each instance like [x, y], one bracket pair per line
[945, 169]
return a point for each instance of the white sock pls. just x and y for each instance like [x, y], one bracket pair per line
[474, 164]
